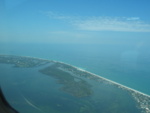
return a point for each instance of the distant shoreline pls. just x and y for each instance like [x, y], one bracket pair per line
[113, 82]
[141, 98]
[108, 80]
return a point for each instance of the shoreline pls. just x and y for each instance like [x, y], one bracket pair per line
[142, 99]
[108, 80]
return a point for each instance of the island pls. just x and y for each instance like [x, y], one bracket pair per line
[85, 86]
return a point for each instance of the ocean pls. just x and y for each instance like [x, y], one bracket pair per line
[60, 88]
[125, 64]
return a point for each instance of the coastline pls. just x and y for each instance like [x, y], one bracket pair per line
[108, 80]
[142, 99]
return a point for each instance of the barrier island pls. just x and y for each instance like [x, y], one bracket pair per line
[85, 91]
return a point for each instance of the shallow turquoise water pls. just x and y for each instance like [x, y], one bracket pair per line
[29, 91]
[124, 64]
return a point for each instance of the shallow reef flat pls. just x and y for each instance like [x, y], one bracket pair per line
[81, 91]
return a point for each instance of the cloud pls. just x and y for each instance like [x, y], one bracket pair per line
[68, 34]
[113, 24]
[54, 15]
[125, 24]
[133, 18]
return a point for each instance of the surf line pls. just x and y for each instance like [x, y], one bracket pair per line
[107, 80]
[32, 105]
[110, 81]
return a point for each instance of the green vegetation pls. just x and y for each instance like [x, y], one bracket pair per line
[24, 62]
[76, 88]
[90, 94]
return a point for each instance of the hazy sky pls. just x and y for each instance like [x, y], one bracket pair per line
[74, 21]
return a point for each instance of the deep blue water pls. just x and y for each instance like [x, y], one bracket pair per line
[125, 64]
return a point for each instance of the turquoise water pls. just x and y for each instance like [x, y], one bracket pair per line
[19, 84]
[124, 64]
[30, 91]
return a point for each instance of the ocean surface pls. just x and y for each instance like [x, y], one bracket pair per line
[126, 64]
[55, 87]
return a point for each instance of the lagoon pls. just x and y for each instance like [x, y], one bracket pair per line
[52, 86]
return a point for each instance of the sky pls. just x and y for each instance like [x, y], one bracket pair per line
[75, 21]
